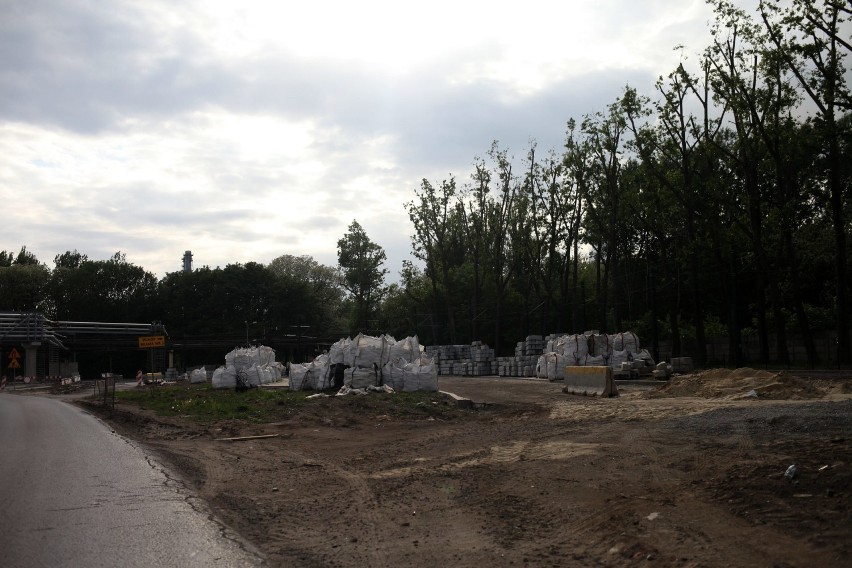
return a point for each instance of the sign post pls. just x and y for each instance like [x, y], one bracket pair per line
[14, 362]
[151, 342]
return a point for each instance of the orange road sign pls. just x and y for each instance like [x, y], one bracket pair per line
[14, 364]
[147, 342]
[13, 354]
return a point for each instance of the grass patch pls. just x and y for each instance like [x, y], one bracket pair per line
[203, 403]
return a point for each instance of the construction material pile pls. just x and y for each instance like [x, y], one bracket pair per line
[744, 383]
[368, 361]
[250, 367]
[198, 375]
[523, 364]
[545, 357]
[475, 360]
[620, 351]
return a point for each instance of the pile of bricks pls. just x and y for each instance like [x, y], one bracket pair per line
[482, 358]
[526, 356]
[474, 360]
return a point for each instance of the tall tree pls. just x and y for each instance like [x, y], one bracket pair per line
[361, 263]
[809, 37]
[605, 211]
[499, 220]
[437, 231]
[577, 163]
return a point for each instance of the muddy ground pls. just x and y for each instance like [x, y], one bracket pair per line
[688, 475]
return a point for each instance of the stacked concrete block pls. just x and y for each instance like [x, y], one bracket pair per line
[523, 364]
[482, 358]
[476, 359]
[509, 367]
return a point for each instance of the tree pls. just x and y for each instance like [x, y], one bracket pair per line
[604, 199]
[501, 211]
[26, 258]
[808, 36]
[577, 163]
[22, 287]
[22, 281]
[69, 259]
[111, 290]
[437, 231]
[322, 282]
[360, 261]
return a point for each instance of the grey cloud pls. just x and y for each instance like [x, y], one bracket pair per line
[85, 69]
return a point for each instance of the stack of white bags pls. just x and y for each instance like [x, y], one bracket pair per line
[591, 349]
[254, 365]
[370, 362]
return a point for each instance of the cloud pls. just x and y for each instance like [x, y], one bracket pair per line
[243, 131]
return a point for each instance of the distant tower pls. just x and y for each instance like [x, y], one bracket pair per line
[187, 261]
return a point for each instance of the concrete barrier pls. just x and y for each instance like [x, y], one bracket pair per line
[590, 381]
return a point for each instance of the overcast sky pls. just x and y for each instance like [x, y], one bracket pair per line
[244, 130]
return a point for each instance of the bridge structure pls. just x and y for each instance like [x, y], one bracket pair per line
[50, 347]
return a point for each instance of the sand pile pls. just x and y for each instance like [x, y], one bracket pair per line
[742, 383]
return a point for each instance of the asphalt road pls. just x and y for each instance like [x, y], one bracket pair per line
[74, 493]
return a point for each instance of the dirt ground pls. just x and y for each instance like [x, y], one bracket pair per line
[689, 474]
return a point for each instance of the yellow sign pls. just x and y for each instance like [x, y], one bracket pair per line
[14, 364]
[150, 341]
[13, 354]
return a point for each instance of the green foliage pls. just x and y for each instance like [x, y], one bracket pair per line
[202, 403]
[361, 261]
[111, 290]
[323, 284]
[26, 258]
[22, 287]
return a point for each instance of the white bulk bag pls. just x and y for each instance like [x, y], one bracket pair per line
[556, 366]
[365, 351]
[408, 348]
[541, 365]
[619, 357]
[574, 346]
[297, 376]
[359, 378]
[225, 378]
[592, 361]
[421, 375]
[393, 374]
[337, 351]
[318, 371]
[625, 341]
[198, 376]
[600, 345]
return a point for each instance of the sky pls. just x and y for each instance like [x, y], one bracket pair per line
[244, 130]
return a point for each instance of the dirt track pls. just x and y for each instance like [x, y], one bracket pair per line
[537, 478]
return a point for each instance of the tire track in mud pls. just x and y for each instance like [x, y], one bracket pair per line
[513, 452]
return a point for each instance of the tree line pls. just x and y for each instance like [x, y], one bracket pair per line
[716, 206]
